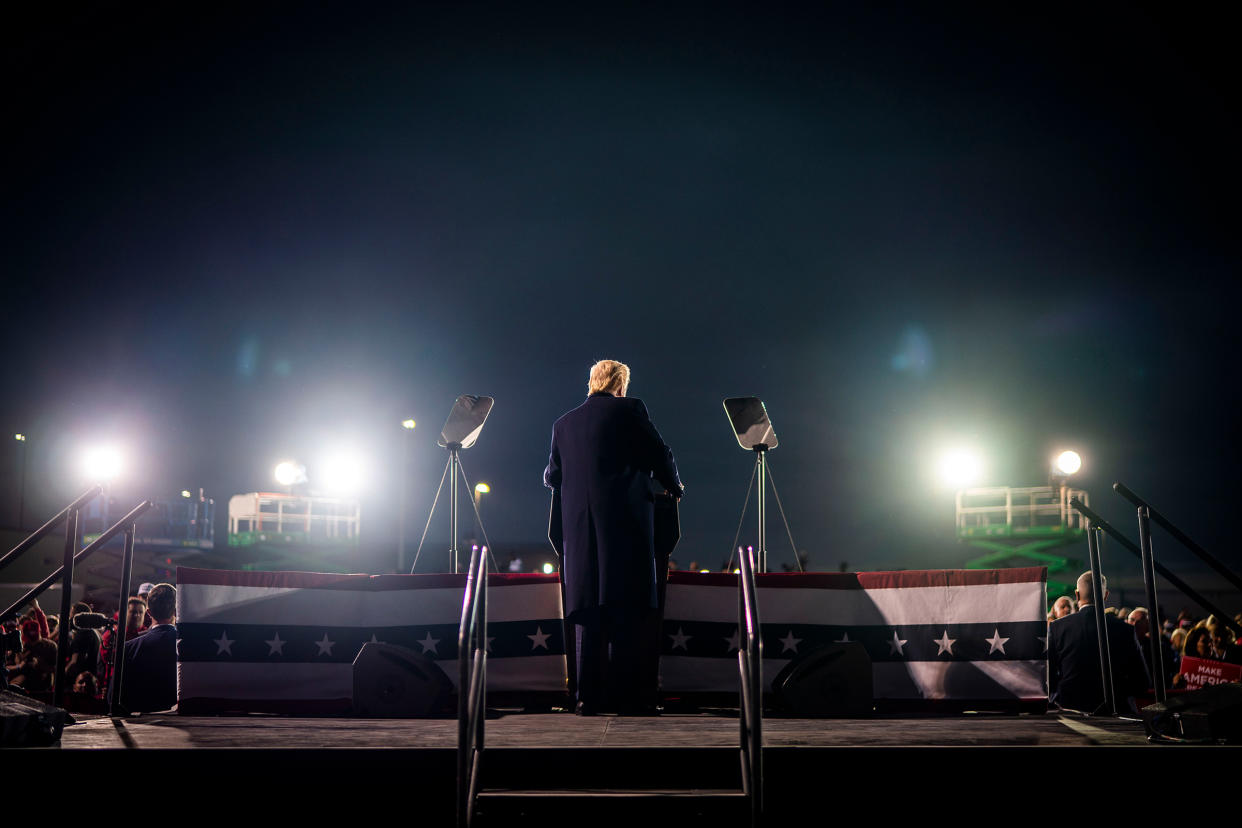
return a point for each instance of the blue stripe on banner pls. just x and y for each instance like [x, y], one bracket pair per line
[223, 642]
[1008, 641]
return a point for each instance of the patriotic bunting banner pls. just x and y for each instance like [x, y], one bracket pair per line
[936, 634]
[286, 641]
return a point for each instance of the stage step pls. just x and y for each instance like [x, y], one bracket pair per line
[537, 784]
[609, 805]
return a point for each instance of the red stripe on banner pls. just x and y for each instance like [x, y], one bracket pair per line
[868, 580]
[367, 583]
[952, 577]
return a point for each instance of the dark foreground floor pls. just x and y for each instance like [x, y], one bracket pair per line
[551, 767]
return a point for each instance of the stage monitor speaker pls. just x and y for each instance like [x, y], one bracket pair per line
[1212, 713]
[25, 722]
[397, 683]
[832, 680]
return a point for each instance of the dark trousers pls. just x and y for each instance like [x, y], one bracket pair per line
[611, 651]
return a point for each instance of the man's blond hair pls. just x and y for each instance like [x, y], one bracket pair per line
[610, 376]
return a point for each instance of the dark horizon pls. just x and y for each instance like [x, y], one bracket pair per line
[235, 238]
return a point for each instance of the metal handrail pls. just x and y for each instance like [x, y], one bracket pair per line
[35, 536]
[750, 670]
[471, 686]
[1184, 587]
[65, 574]
[1179, 535]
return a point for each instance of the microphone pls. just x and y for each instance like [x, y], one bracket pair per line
[91, 621]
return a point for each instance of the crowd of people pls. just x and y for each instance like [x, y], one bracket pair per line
[1186, 634]
[150, 665]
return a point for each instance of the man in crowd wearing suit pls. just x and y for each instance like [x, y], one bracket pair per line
[604, 454]
[149, 681]
[1074, 678]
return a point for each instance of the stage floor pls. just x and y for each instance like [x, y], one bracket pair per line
[675, 769]
[563, 731]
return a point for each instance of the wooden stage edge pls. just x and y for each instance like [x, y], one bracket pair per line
[899, 763]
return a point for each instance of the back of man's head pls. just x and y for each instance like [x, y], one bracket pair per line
[610, 376]
[162, 603]
[1086, 592]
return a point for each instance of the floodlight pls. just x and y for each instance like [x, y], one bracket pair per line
[961, 468]
[102, 463]
[548, 569]
[340, 472]
[185, 492]
[482, 488]
[1068, 462]
[21, 438]
[289, 473]
[408, 424]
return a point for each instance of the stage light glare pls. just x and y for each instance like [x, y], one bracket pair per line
[102, 463]
[289, 473]
[548, 569]
[185, 492]
[482, 488]
[408, 424]
[961, 468]
[1068, 462]
[340, 473]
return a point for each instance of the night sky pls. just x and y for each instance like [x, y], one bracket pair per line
[245, 236]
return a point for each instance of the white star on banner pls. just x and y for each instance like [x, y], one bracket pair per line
[429, 644]
[224, 644]
[539, 639]
[276, 645]
[844, 639]
[997, 642]
[680, 639]
[789, 642]
[732, 640]
[325, 645]
[945, 643]
[894, 646]
[1044, 639]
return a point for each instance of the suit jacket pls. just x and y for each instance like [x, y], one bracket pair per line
[149, 681]
[604, 454]
[1074, 678]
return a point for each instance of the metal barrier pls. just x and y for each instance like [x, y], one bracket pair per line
[750, 670]
[471, 686]
[70, 515]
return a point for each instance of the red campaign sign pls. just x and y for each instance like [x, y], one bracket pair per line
[1200, 672]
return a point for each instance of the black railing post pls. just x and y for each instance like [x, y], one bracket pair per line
[1153, 615]
[1205, 556]
[1101, 620]
[1177, 582]
[118, 635]
[750, 669]
[37, 535]
[66, 606]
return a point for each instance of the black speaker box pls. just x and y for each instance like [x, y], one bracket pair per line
[25, 722]
[832, 680]
[397, 683]
[1212, 713]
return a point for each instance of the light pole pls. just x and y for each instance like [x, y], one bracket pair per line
[21, 493]
[403, 489]
[480, 489]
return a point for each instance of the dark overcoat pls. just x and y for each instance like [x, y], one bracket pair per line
[1074, 661]
[604, 454]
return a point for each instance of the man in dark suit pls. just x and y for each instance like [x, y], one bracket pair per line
[1074, 678]
[149, 682]
[604, 454]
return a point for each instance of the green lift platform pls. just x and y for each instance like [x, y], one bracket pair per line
[1023, 527]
